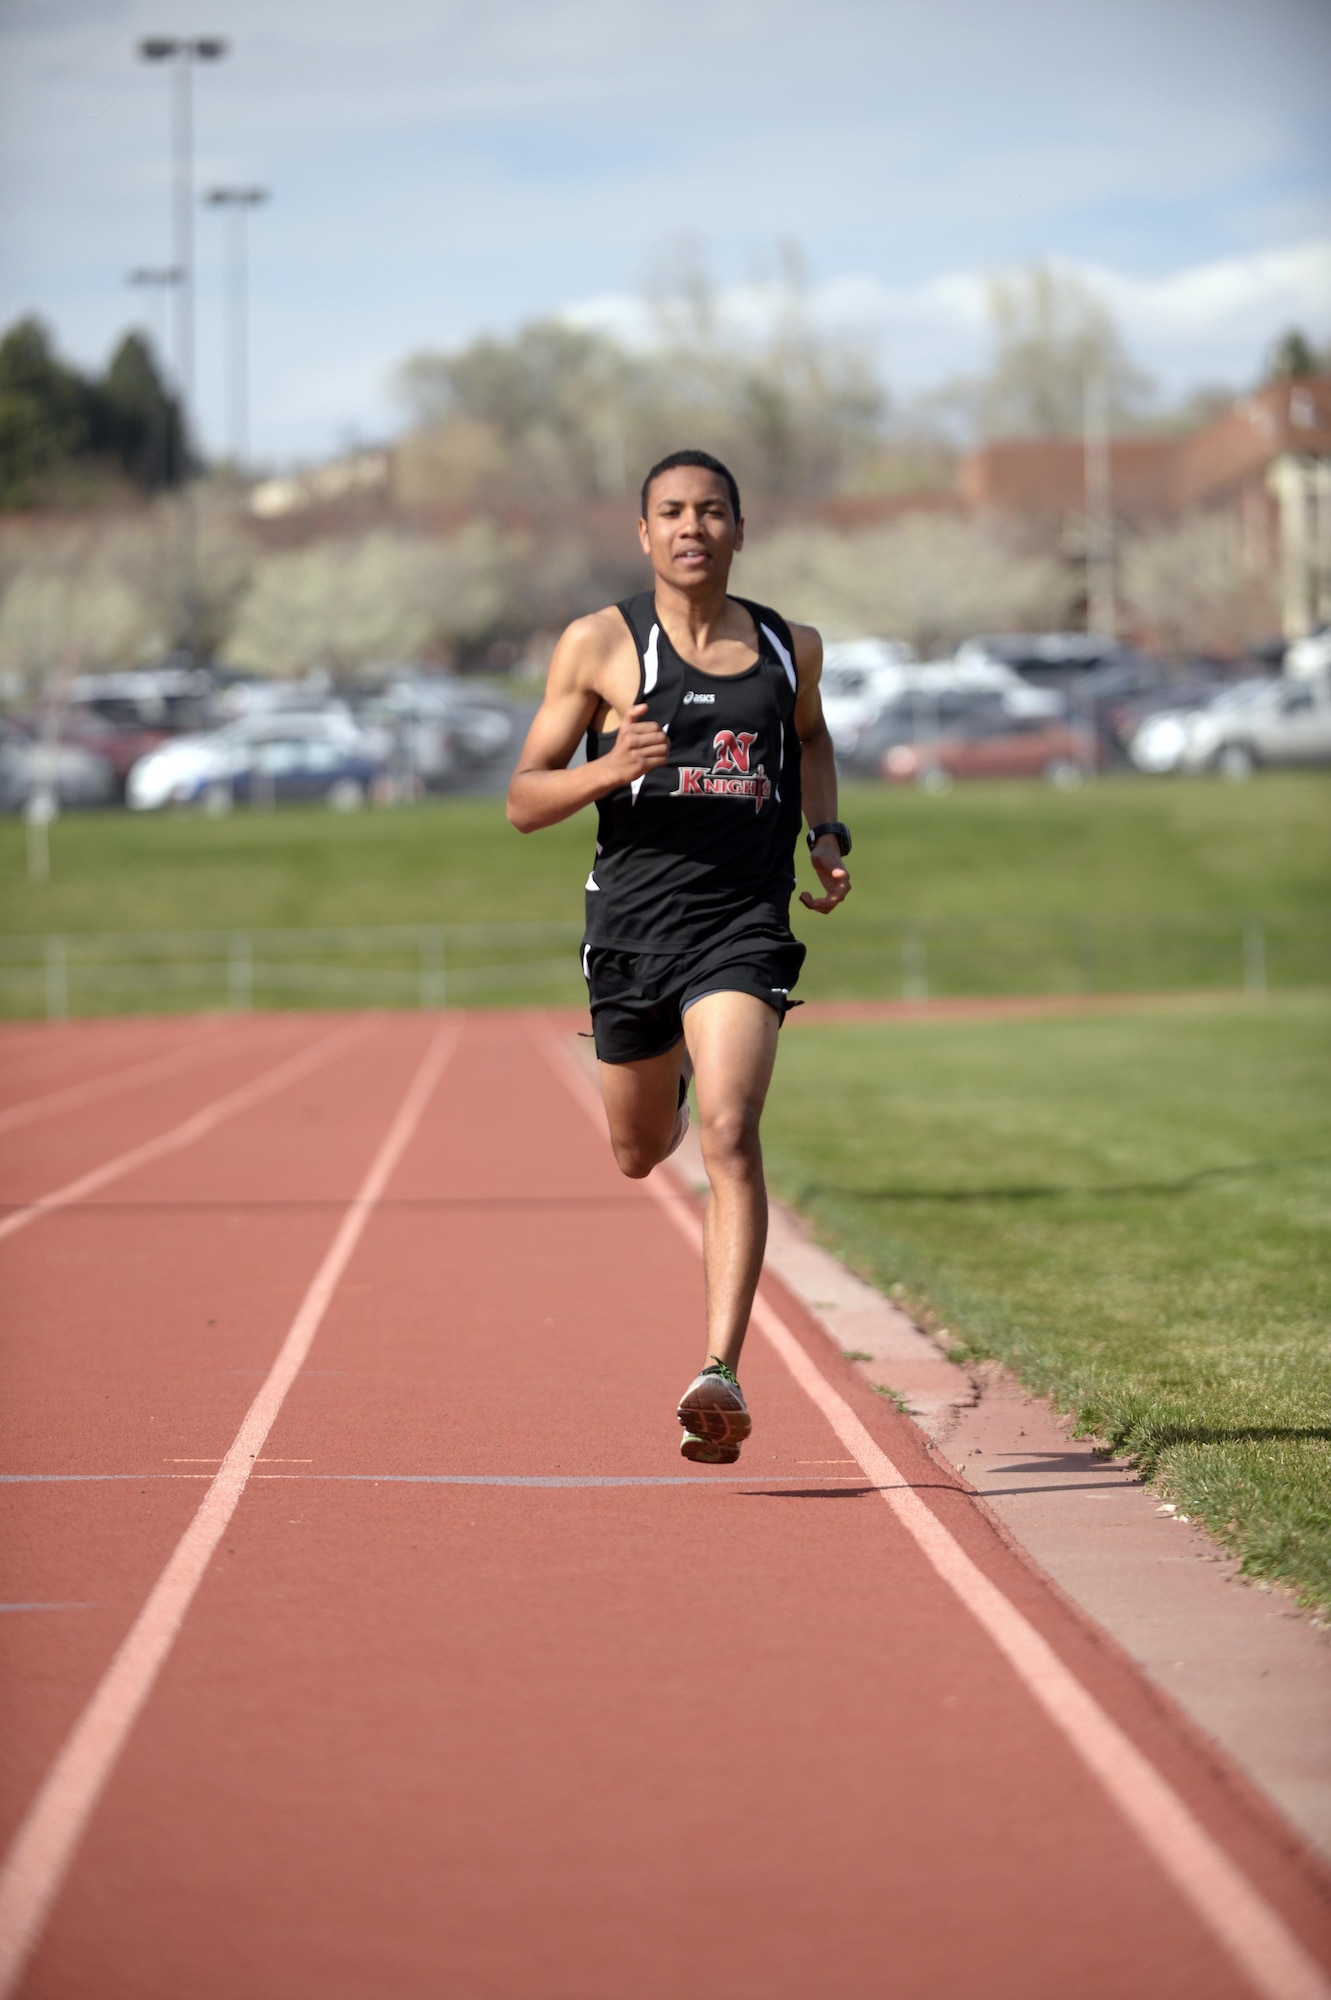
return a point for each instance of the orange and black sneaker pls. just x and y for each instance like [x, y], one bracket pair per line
[715, 1416]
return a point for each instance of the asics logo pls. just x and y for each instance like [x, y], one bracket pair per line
[691, 696]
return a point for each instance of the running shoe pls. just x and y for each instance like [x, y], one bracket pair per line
[715, 1417]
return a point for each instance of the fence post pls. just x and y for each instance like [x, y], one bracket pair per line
[240, 974]
[1086, 954]
[57, 980]
[1254, 956]
[433, 978]
[914, 963]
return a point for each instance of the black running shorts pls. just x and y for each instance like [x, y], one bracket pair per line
[639, 998]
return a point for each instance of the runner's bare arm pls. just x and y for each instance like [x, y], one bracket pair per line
[818, 784]
[591, 667]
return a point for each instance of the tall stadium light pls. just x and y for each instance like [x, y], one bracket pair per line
[237, 202]
[182, 53]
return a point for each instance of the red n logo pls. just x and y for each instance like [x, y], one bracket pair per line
[732, 749]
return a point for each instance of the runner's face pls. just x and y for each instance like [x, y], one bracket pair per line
[689, 532]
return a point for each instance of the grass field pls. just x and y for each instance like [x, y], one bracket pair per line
[1130, 1211]
[1123, 886]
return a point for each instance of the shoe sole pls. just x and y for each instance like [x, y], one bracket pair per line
[716, 1425]
[702, 1451]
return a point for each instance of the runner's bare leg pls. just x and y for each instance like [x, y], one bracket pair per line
[641, 1104]
[732, 1040]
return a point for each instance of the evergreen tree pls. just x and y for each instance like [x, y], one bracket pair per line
[142, 429]
[47, 413]
[1293, 355]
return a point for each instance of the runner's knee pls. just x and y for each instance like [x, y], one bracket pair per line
[634, 1158]
[730, 1141]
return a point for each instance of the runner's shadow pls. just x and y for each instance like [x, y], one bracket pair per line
[809, 1492]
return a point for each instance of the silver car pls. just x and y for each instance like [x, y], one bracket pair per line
[1280, 722]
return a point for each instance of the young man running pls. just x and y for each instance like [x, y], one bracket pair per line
[705, 743]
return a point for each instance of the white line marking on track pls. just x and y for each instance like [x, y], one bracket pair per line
[49, 1836]
[196, 1127]
[1234, 1911]
[74, 1096]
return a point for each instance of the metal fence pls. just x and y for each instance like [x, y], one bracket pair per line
[440, 965]
[378, 965]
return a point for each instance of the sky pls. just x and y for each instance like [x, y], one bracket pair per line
[445, 168]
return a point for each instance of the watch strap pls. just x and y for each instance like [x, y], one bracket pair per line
[839, 831]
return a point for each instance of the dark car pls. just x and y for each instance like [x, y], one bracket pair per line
[988, 746]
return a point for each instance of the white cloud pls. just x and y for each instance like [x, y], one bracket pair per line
[1205, 322]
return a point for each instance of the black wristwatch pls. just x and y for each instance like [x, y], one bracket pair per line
[839, 831]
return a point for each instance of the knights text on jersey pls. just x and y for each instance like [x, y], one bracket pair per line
[707, 841]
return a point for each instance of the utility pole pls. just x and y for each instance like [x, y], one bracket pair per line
[237, 201]
[1101, 604]
[182, 54]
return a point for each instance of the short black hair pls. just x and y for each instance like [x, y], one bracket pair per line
[700, 458]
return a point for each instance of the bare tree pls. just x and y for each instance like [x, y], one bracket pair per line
[381, 596]
[557, 413]
[1052, 338]
[928, 578]
[1194, 588]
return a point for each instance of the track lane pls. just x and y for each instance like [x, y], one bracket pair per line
[35, 1868]
[135, 1336]
[731, 1736]
[46, 1054]
[77, 1095]
[163, 1143]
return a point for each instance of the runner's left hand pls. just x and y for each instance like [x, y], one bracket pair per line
[832, 872]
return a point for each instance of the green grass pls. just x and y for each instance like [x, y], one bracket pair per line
[1124, 886]
[1130, 1211]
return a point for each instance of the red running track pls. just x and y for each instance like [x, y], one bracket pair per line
[453, 1679]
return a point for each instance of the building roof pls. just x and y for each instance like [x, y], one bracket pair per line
[1156, 475]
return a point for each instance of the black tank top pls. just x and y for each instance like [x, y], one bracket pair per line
[705, 845]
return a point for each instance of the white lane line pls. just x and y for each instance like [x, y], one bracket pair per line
[48, 1838]
[1240, 1919]
[203, 1049]
[196, 1127]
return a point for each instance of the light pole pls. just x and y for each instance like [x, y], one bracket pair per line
[182, 53]
[1101, 604]
[237, 201]
[160, 278]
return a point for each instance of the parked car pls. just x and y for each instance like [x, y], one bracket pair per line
[869, 706]
[30, 764]
[916, 716]
[1194, 687]
[991, 745]
[166, 700]
[860, 676]
[1278, 722]
[122, 743]
[262, 757]
[440, 730]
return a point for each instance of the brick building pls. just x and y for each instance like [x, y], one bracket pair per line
[1266, 460]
